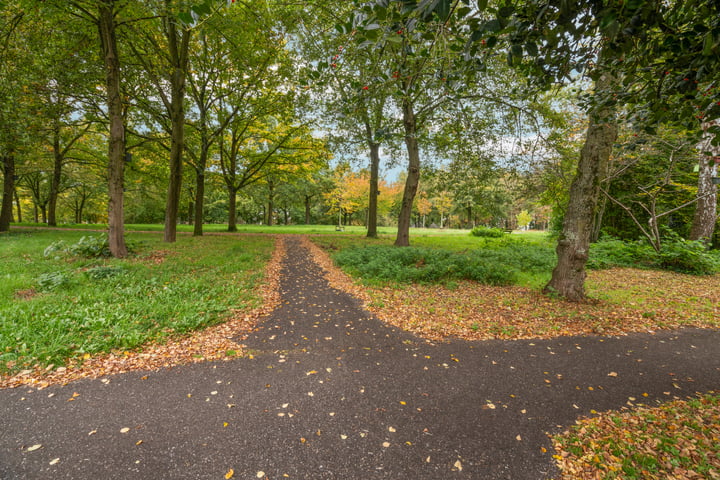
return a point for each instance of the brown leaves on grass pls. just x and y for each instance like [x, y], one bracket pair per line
[213, 343]
[679, 440]
[627, 300]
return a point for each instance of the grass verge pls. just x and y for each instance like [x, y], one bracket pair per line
[57, 308]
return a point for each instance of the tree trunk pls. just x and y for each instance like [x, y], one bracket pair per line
[17, 203]
[568, 277]
[271, 206]
[179, 44]
[200, 182]
[705, 217]
[8, 167]
[598, 222]
[413, 175]
[374, 180]
[199, 202]
[307, 209]
[116, 147]
[57, 175]
[232, 210]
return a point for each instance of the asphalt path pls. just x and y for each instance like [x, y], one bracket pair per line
[333, 393]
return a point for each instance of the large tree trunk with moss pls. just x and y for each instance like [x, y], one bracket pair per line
[8, 168]
[568, 277]
[705, 218]
[413, 175]
[116, 147]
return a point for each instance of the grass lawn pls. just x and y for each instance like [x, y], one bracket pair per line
[349, 230]
[62, 307]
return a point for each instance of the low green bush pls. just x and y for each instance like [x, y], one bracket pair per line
[481, 231]
[688, 256]
[49, 282]
[102, 271]
[500, 266]
[676, 254]
[89, 246]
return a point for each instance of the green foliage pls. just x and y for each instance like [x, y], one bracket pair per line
[481, 231]
[89, 246]
[499, 264]
[48, 282]
[102, 271]
[688, 256]
[118, 304]
[677, 254]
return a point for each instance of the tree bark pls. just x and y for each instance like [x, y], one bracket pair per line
[705, 217]
[374, 180]
[307, 209]
[17, 204]
[199, 202]
[200, 180]
[116, 144]
[568, 277]
[8, 167]
[56, 177]
[179, 44]
[232, 210]
[413, 175]
[271, 206]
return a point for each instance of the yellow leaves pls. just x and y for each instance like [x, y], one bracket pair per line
[34, 447]
[230, 474]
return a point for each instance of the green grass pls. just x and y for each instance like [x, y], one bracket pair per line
[61, 307]
[350, 230]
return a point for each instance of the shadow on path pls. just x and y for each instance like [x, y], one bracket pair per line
[332, 393]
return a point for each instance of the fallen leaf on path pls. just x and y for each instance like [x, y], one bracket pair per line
[229, 474]
[54, 461]
[34, 447]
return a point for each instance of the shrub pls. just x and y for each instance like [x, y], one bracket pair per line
[49, 282]
[688, 256]
[481, 231]
[101, 272]
[676, 254]
[88, 246]
[500, 266]
[611, 252]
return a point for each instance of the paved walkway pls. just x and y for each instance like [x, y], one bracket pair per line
[332, 393]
